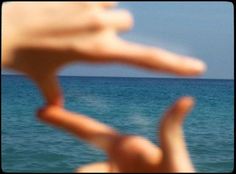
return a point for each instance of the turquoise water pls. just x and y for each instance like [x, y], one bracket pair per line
[131, 105]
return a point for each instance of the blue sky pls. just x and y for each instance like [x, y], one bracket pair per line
[199, 29]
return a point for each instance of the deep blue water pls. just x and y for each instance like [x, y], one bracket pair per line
[131, 105]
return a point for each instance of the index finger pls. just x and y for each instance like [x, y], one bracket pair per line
[157, 59]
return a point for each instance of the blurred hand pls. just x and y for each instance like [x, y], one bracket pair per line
[127, 153]
[39, 38]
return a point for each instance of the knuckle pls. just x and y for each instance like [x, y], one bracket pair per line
[97, 20]
[132, 142]
[127, 16]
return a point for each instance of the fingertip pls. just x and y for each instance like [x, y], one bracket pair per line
[189, 66]
[203, 66]
[199, 66]
[186, 102]
[183, 105]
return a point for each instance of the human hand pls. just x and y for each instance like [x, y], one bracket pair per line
[39, 38]
[127, 153]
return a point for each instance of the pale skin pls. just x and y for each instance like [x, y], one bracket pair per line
[40, 38]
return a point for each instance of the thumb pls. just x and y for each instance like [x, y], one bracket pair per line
[50, 89]
[172, 140]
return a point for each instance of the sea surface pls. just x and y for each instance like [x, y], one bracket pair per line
[131, 105]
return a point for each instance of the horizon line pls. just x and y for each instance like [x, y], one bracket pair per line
[125, 77]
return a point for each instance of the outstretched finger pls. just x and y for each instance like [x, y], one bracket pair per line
[156, 59]
[86, 128]
[172, 138]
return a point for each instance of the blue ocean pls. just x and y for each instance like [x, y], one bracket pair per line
[131, 105]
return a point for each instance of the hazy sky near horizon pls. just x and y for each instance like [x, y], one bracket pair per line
[199, 29]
